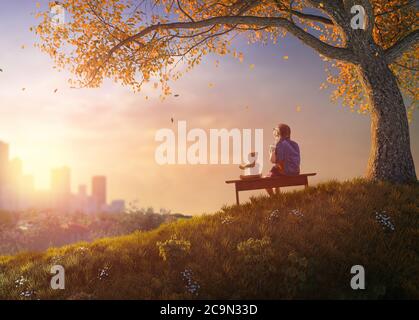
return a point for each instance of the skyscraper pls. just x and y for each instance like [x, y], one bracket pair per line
[4, 160]
[15, 187]
[4, 163]
[99, 192]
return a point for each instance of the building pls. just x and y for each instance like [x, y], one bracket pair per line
[117, 206]
[4, 163]
[61, 188]
[14, 185]
[4, 155]
[99, 193]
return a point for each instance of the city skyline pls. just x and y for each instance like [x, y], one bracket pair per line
[18, 191]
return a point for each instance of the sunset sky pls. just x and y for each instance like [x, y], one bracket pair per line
[110, 131]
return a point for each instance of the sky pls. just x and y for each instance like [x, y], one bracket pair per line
[111, 130]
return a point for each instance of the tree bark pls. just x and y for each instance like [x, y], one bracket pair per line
[390, 157]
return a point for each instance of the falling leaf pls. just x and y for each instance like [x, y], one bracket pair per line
[298, 109]
[252, 66]
[156, 85]
[38, 5]
[176, 95]
[172, 119]
[23, 89]
[211, 85]
[286, 57]
[1, 70]
[55, 91]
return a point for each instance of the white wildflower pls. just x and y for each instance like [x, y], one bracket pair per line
[103, 273]
[274, 215]
[191, 286]
[227, 220]
[385, 221]
[21, 281]
[27, 294]
[297, 213]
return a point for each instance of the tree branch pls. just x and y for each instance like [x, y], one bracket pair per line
[305, 16]
[312, 17]
[400, 47]
[321, 47]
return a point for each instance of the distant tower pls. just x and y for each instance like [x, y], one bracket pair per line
[4, 152]
[99, 192]
[4, 163]
[4, 160]
[61, 187]
[15, 184]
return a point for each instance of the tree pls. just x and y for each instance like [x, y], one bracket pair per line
[137, 41]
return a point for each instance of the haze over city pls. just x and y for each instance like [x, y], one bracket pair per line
[18, 192]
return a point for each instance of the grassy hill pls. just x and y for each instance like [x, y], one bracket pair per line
[296, 245]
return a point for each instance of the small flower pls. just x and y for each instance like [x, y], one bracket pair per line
[385, 221]
[191, 286]
[21, 281]
[227, 220]
[297, 213]
[27, 294]
[274, 215]
[103, 273]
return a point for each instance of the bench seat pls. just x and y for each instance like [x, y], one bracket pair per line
[270, 182]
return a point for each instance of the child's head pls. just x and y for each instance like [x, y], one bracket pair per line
[282, 131]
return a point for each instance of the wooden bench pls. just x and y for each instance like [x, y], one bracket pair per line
[270, 182]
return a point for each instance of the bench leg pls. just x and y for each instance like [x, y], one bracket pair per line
[237, 197]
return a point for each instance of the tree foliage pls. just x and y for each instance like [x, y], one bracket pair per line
[138, 41]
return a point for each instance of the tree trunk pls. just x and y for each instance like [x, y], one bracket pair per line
[390, 157]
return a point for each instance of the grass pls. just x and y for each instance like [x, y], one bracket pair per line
[300, 244]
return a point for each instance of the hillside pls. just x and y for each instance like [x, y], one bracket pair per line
[300, 244]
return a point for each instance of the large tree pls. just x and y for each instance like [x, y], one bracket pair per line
[136, 41]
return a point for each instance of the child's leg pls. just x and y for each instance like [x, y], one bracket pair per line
[270, 192]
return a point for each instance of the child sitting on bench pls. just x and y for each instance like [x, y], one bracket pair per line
[285, 155]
